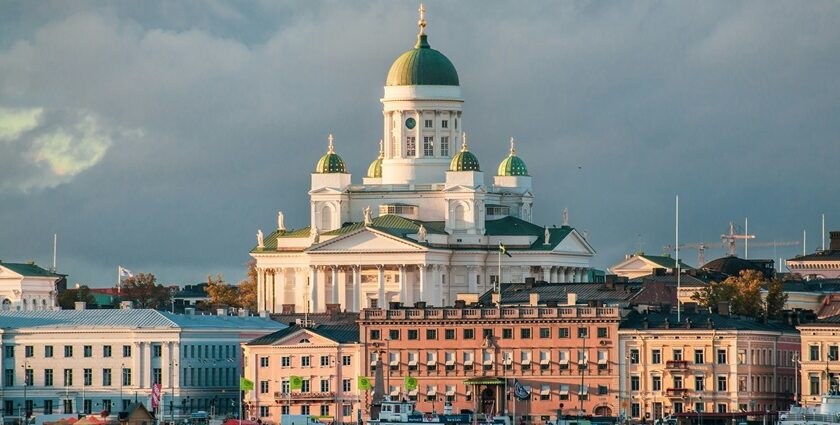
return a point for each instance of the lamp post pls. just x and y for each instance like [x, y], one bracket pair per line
[796, 363]
[122, 382]
[173, 366]
[26, 383]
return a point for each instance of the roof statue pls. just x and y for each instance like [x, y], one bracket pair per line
[421, 234]
[315, 234]
[565, 216]
[366, 214]
[260, 243]
[547, 236]
[281, 226]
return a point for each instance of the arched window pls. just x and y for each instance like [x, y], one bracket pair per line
[326, 218]
[7, 304]
[459, 217]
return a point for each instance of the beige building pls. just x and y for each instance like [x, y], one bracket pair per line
[704, 362]
[326, 357]
[26, 287]
[820, 361]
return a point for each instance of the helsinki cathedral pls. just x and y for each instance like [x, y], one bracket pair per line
[423, 225]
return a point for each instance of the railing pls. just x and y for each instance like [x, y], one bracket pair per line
[280, 396]
[808, 417]
[489, 313]
[676, 364]
[676, 392]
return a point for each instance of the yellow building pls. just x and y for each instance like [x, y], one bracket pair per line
[710, 363]
[820, 367]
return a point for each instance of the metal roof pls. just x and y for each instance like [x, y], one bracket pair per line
[126, 319]
[29, 269]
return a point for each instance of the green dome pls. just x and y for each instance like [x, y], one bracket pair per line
[512, 165]
[375, 169]
[330, 162]
[422, 66]
[464, 160]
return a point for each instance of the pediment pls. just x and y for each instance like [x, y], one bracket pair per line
[465, 189]
[574, 243]
[322, 190]
[367, 240]
[634, 263]
[302, 338]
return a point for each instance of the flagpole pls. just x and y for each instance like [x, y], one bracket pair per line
[677, 247]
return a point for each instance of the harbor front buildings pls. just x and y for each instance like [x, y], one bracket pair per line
[470, 357]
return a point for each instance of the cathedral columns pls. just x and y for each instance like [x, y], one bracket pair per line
[279, 290]
[334, 284]
[260, 294]
[300, 289]
[342, 287]
[424, 291]
[546, 271]
[313, 292]
[445, 285]
[404, 288]
[381, 303]
[472, 285]
[357, 287]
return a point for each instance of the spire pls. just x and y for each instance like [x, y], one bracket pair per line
[422, 22]
[464, 142]
[330, 146]
[381, 149]
[512, 146]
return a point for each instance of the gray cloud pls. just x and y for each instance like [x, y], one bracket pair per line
[216, 112]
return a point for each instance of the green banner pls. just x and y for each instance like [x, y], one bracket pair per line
[410, 383]
[295, 382]
[245, 384]
[364, 383]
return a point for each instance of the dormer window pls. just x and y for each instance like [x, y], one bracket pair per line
[404, 210]
[498, 210]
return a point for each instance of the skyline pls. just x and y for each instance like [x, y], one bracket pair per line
[135, 165]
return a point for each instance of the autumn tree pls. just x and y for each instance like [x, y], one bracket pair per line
[775, 299]
[68, 299]
[243, 295]
[743, 292]
[143, 290]
[248, 287]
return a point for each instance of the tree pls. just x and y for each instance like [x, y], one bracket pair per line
[775, 299]
[68, 299]
[743, 293]
[221, 294]
[248, 288]
[143, 290]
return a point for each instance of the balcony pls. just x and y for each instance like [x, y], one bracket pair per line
[676, 364]
[676, 392]
[281, 397]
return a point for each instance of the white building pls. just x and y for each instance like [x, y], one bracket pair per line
[88, 360]
[25, 286]
[423, 225]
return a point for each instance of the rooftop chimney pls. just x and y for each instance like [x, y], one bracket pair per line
[834, 240]
[80, 305]
[723, 308]
[420, 305]
[571, 298]
[533, 299]
[496, 298]
[189, 311]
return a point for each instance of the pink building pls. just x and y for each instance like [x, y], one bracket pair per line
[565, 356]
[327, 359]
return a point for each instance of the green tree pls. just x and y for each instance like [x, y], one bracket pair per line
[743, 292]
[248, 288]
[68, 299]
[143, 290]
[221, 294]
[775, 300]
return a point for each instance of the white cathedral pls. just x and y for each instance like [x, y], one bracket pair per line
[423, 226]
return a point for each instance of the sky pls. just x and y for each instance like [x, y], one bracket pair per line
[160, 135]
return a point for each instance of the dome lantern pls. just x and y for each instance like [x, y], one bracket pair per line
[330, 162]
[375, 169]
[464, 160]
[422, 65]
[512, 165]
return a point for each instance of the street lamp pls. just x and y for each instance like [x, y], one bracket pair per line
[122, 381]
[26, 383]
[796, 363]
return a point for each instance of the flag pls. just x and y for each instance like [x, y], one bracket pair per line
[364, 383]
[295, 383]
[245, 384]
[155, 396]
[519, 390]
[124, 272]
[410, 383]
[503, 250]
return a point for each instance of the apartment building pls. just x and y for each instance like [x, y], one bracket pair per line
[820, 359]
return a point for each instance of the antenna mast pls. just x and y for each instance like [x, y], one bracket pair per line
[55, 250]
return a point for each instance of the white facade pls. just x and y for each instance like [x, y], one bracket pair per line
[426, 228]
[27, 287]
[89, 360]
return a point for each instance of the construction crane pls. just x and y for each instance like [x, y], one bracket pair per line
[730, 240]
[701, 248]
[732, 237]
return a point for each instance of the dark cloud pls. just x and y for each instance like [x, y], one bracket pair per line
[215, 112]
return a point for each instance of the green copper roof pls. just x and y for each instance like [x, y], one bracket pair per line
[512, 165]
[464, 161]
[375, 169]
[330, 162]
[422, 66]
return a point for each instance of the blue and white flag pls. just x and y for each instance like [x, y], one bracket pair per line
[124, 272]
[519, 390]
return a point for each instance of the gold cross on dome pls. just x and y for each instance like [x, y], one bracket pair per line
[512, 146]
[422, 21]
[330, 146]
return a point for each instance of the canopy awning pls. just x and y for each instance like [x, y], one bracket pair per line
[484, 380]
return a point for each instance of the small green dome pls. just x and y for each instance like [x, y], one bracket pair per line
[464, 160]
[512, 165]
[375, 169]
[422, 66]
[330, 162]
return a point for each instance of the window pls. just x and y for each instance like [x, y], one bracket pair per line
[449, 334]
[678, 382]
[469, 333]
[263, 411]
[346, 360]
[677, 355]
[444, 124]
[106, 351]
[507, 333]
[394, 334]
[346, 385]
[444, 145]
[721, 356]
[325, 361]
[325, 410]
[721, 408]
[27, 377]
[10, 351]
[545, 333]
[263, 387]
[634, 383]
[285, 361]
[563, 333]
[602, 333]
[634, 356]
[431, 333]
[428, 123]
[699, 383]
[721, 383]
[263, 361]
[87, 350]
[428, 146]
[88, 375]
[656, 383]
[48, 407]
[487, 333]
[305, 386]
[304, 410]
[48, 351]
[635, 410]
[68, 351]
[699, 357]
[375, 334]
[814, 384]
[583, 332]
[29, 351]
[305, 361]
[456, 123]
[68, 406]
[656, 356]
[106, 377]
[832, 352]
[413, 334]
[48, 377]
[68, 377]
[525, 333]
[127, 351]
[347, 410]
[156, 350]
[699, 406]
[410, 146]
[126, 376]
[678, 407]
[325, 385]
[157, 376]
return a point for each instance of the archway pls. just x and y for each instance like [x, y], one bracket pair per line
[603, 411]
[7, 304]
[459, 217]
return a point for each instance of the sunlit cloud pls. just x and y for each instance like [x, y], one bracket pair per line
[15, 122]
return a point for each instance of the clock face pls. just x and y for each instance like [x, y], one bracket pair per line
[410, 123]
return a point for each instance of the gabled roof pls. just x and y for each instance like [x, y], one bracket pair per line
[342, 333]
[520, 293]
[127, 319]
[665, 261]
[29, 270]
[700, 321]
[827, 255]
